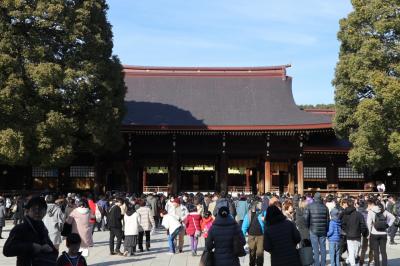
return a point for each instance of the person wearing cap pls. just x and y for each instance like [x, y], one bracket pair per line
[180, 212]
[317, 220]
[30, 241]
[221, 238]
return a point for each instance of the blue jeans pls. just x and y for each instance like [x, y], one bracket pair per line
[171, 239]
[319, 247]
[334, 253]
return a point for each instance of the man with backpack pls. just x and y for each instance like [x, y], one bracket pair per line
[378, 221]
[353, 224]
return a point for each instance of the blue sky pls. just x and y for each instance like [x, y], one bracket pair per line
[235, 33]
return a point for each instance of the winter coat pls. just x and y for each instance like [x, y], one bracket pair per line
[131, 224]
[301, 224]
[53, 220]
[205, 225]
[79, 218]
[242, 207]
[221, 237]
[247, 222]
[334, 231]
[280, 240]
[2, 215]
[371, 219]
[224, 202]
[114, 217]
[21, 239]
[64, 260]
[146, 219]
[152, 201]
[353, 224]
[179, 212]
[317, 217]
[192, 223]
[170, 223]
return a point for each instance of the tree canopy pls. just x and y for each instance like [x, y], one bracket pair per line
[61, 89]
[367, 85]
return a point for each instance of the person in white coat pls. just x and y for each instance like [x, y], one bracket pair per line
[173, 226]
[131, 229]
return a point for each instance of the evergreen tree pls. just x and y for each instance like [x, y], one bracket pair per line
[61, 90]
[367, 83]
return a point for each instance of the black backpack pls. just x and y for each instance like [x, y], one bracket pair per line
[380, 223]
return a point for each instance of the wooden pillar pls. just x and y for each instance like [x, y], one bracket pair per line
[291, 178]
[144, 178]
[300, 177]
[173, 174]
[223, 172]
[247, 179]
[267, 176]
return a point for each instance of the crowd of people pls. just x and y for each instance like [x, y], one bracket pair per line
[356, 228]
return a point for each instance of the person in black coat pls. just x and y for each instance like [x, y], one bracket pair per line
[114, 222]
[317, 220]
[30, 241]
[281, 238]
[221, 238]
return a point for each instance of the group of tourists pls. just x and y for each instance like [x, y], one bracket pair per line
[285, 226]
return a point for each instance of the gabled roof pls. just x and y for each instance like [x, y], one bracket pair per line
[235, 98]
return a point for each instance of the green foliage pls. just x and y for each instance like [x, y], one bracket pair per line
[317, 106]
[367, 95]
[61, 90]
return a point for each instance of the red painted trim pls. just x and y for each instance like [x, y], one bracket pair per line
[320, 111]
[231, 127]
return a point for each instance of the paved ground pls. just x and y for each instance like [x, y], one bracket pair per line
[157, 256]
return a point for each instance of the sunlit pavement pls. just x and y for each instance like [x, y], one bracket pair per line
[157, 256]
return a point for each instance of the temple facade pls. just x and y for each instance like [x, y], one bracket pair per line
[210, 129]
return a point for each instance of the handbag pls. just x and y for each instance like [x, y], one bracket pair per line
[67, 229]
[306, 253]
[207, 258]
[197, 233]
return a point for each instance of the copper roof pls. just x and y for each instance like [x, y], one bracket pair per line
[215, 98]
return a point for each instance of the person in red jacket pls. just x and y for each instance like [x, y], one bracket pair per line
[193, 228]
[92, 207]
[73, 257]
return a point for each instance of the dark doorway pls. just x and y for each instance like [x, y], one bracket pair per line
[197, 181]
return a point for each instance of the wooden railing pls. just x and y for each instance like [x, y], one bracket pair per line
[157, 189]
[239, 189]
